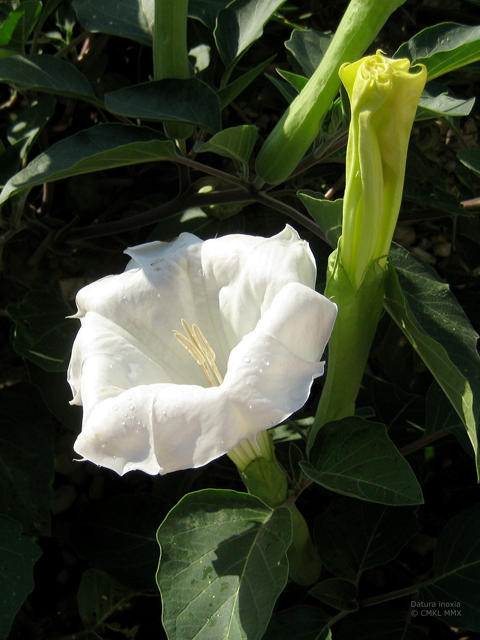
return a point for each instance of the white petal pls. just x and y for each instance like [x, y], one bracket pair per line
[301, 319]
[248, 275]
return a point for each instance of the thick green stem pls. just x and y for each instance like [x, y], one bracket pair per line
[301, 122]
[170, 53]
[359, 311]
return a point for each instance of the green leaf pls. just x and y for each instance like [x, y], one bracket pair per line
[442, 48]
[326, 213]
[18, 554]
[308, 48]
[296, 81]
[117, 535]
[337, 593]
[353, 536]
[286, 89]
[102, 147]
[436, 326]
[378, 623]
[26, 443]
[437, 101]
[170, 100]
[99, 596]
[236, 142]
[470, 158]
[223, 565]
[14, 32]
[239, 25]
[42, 72]
[440, 414]
[356, 458]
[235, 88]
[299, 623]
[43, 334]
[134, 19]
[457, 572]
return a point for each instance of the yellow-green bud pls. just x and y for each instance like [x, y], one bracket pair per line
[383, 97]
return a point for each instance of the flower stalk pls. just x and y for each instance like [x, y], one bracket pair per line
[383, 96]
[170, 53]
[264, 478]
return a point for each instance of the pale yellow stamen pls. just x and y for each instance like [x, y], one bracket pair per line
[197, 346]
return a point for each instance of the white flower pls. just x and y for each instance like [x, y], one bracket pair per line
[147, 403]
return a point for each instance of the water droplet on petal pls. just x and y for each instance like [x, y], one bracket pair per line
[115, 407]
[260, 371]
[266, 361]
[246, 359]
[131, 407]
[164, 413]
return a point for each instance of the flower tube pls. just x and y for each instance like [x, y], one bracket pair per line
[195, 348]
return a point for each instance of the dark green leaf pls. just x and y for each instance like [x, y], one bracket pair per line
[437, 101]
[379, 623]
[223, 565]
[326, 213]
[170, 100]
[98, 597]
[285, 88]
[26, 443]
[442, 48]
[440, 414]
[299, 623]
[96, 149]
[232, 90]
[356, 458]
[117, 534]
[470, 158]
[308, 48]
[457, 572]
[337, 593]
[353, 535]
[14, 32]
[131, 19]
[18, 554]
[134, 19]
[240, 24]
[435, 324]
[43, 334]
[236, 142]
[43, 72]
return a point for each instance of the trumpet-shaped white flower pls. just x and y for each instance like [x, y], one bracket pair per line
[244, 307]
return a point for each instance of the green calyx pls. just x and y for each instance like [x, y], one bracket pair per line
[359, 311]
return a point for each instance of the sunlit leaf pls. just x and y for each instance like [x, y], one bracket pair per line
[223, 564]
[443, 48]
[436, 326]
[236, 142]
